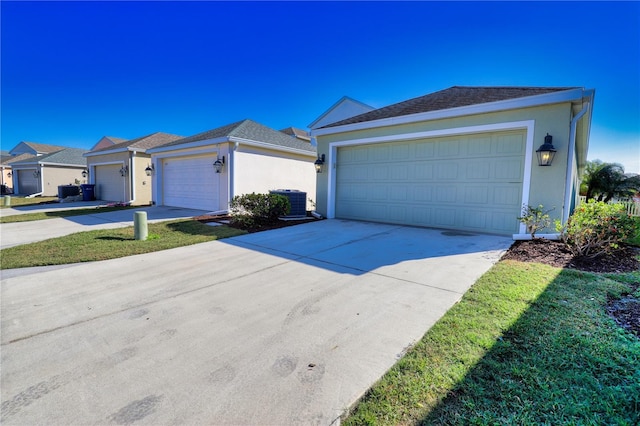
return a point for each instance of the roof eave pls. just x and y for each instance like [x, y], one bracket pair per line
[517, 103]
[272, 146]
[188, 145]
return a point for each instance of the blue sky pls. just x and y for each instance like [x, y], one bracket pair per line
[73, 72]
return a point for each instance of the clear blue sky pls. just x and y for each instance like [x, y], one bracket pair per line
[73, 72]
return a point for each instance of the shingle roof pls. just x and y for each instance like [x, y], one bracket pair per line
[42, 147]
[295, 132]
[64, 156]
[143, 142]
[248, 129]
[453, 97]
[14, 158]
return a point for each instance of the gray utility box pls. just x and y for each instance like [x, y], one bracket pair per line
[297, 199]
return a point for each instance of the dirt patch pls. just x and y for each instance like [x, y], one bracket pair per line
[283, 223]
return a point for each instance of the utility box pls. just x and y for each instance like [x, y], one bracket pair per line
[297, 199]
[65, 191]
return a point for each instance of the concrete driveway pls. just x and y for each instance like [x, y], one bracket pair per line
[14, 234]
[288, 326]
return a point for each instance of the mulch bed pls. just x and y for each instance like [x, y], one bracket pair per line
[226, 220]
[625, 311]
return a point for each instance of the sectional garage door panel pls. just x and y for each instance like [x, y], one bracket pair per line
[27, 182]
[110, 184]
[471, 182]
[191, 182]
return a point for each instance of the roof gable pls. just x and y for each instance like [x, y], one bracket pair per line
[34, 148]
[142, 143]
[343, 109]
[296, 133]
[453, 97]
[248, 130]
[107, 141]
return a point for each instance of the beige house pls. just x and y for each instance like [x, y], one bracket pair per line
[207, 170]
[42, 174]
[463, 159]
[118, 170]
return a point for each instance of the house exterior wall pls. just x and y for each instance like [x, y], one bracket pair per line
[54, 176]
[142, 184]
[7, 180]
[260, 170]
[547, 184]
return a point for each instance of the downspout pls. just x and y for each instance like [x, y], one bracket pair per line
[570, 160]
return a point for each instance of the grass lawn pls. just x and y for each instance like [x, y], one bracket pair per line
[528, 344]
[112, 243]
[29, 217]
[23, 201]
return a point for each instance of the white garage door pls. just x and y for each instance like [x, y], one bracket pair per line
[469, 183]
[27, 182]
[191, 182]
[110, 184]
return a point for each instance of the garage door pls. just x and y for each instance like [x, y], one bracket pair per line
[27, 183]
[191, 182]
[469, 183]
[110, 185]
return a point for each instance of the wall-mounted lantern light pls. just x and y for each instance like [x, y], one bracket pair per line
[36, 174]
[85, 173]
[319, 163]
[546, 152]
[124, 170]
[218, 164]
[149, 170]
[9, 174]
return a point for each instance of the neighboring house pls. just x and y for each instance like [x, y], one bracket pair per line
[34, 148]
[107, 141]
[250, 158]
[346, 107]
[297, 133]
[7, 170]
[118, 170]
[463, 158]
[42, 174]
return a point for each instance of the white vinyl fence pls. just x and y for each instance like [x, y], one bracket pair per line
[633, 208]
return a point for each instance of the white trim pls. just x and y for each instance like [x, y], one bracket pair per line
[528, 125]
[62, 165]
[570, 160]
[271, 146]
[517, 103]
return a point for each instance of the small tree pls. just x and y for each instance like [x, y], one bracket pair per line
[604, 181]
[535, 218]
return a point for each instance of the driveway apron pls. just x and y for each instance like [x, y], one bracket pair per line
[289, 326]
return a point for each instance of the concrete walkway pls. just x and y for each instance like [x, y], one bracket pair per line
[288, 326]
[13, 234]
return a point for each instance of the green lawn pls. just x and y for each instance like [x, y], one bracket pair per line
[528, 344]
[111, 243]
[29, 217]
[22, 201]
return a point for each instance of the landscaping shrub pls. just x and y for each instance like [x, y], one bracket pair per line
[252, 210]
[596, 228]
[535, 218]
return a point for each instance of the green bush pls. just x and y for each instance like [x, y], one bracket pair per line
[535, 218]
[596, 228]
[252, 210]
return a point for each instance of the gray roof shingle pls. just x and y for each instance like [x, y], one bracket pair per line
[42, 147]
[453, 97]
[248, 129]
[143, 142]
[64, 156]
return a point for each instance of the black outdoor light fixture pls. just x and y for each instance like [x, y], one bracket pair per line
[85, 173]
[36, 174]
[149, 170]
[218, 164]
[124, 170]
[546, 152]
[319, 163]
[9, 174]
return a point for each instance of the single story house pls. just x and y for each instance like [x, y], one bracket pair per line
[118, 170]
[207, 170]
[22, 151]
[463, 159]
[42, 174]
